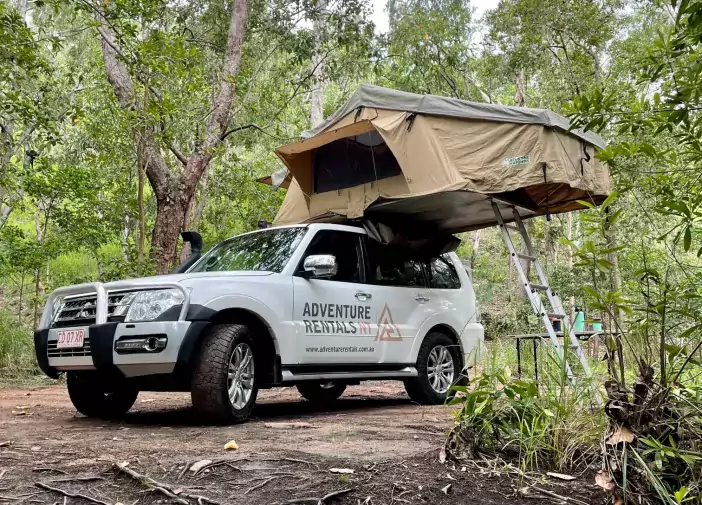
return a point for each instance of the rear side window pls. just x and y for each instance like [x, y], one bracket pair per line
[393, 267]
[442, 274]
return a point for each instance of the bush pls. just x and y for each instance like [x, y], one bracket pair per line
[550, 424]
[17, 359]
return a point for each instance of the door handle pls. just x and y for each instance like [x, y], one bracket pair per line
[421, 298]
[363, 297]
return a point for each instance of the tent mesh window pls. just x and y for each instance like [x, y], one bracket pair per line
[353, 161]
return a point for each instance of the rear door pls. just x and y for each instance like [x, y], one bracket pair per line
[333, 316]
[400, 298]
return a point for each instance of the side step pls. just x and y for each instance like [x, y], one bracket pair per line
[402, 373]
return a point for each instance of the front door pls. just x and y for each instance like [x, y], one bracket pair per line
[333, 317]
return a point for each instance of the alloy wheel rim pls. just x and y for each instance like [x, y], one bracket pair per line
[240, 376]
[440, 369]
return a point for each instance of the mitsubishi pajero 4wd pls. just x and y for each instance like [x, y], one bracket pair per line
[318, 306]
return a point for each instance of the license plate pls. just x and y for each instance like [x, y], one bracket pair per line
[70, 338]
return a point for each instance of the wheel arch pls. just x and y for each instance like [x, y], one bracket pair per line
[439, 327]
[264, 339]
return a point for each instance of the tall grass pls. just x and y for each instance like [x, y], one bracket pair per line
[17, 359]
[551, 422]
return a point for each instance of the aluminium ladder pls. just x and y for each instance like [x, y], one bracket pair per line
[534, 290]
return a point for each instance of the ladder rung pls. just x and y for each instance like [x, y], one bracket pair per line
[539, 287]
[556, 316]
[526, 257]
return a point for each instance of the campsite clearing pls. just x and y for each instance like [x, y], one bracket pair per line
[285, 452]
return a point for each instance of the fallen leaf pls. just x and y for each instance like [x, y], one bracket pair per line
[621, 434]
[450, 477]
[177, 491]
[231, 446]
[6, 443]
[464, 469]
[442, 455]
[199, 465]
[561, 476]
[446, 489]
[604, 480]
[341, 470]
[24, 412]
[22, 407]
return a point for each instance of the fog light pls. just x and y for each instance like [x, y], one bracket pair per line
[151, 343]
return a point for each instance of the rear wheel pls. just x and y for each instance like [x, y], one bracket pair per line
[438, 367]
[224, 386]
[95, 397]
[321, 392]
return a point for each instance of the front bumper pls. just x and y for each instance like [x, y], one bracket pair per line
[100, 353]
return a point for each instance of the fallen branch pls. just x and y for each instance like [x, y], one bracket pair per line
[164, 489]
[87, 478]
[221, 462]
[69, 494]
[150, 483]
[320, 501]
[47, 469]
[557, 496]
[259, 486]
[185, 469]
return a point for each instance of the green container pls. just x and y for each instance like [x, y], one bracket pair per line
[597, 325]
[579, 323]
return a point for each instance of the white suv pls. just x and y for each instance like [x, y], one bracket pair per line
[320, 306]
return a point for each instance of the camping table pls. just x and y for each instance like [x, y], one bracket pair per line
[537, 337]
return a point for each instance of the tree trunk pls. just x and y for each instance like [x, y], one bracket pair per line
[173, 193]
[474, 252]
[170, 215]
[519, 93]
[569, 256]
[142, 216]
[317, 98]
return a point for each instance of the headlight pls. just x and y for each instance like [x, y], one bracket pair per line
[148, 305]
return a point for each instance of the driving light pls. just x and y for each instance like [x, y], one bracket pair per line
[148, 305]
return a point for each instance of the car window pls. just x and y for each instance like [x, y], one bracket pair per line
[391, 266]
[344, 246]
[267, 250]
[442, 274]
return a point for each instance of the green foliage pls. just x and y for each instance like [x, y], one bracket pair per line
[548, 424]
[16, 348]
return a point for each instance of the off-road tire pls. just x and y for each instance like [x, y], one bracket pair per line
[209, 390]
[94, 397]
[314, 392]
[418, 388]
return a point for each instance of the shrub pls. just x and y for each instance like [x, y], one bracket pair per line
[17, 360]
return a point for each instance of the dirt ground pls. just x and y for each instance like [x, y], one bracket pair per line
[290, 451]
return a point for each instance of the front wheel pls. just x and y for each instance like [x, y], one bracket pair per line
[321, 392]
[96, 397]
[224, 386]
[438, 367]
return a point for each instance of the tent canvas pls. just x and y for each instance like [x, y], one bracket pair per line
[389, 155]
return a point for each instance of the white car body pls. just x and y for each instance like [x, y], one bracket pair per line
[319, 328]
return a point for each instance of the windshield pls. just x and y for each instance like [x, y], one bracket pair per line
[266, 251]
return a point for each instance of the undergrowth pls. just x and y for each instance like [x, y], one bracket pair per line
[17, 359]
[546, 424]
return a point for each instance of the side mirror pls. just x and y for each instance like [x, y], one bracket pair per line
[320, 266]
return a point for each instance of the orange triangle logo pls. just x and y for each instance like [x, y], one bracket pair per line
[387, 331]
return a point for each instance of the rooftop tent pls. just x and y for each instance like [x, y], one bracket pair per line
[437, 163]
